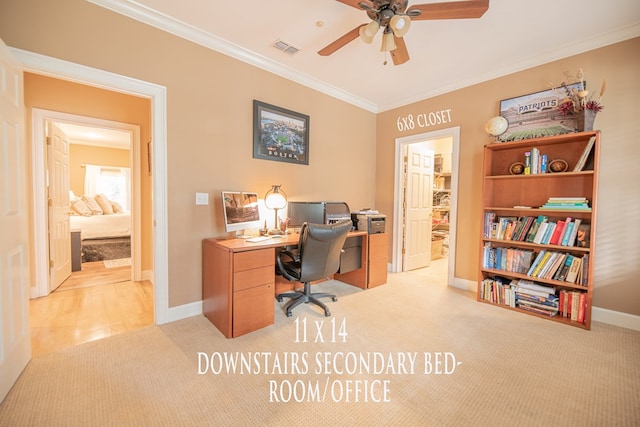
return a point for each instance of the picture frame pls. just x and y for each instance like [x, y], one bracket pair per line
[536, 115]
[279, 134]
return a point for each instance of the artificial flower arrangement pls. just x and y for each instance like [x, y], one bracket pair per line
[577, 99]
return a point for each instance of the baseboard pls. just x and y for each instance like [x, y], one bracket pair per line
[183, 311]
[147, 275]
[464, 284]
[616, 318]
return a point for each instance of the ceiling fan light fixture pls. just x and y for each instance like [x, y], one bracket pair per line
[388, 42]
[368, 31]
[400, 24]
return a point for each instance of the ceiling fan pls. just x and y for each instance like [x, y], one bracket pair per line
[394, 18]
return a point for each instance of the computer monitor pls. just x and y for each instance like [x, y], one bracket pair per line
[301, 212]
[240, 211]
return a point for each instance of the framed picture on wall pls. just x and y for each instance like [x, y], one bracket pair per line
[536, 115]
[280, 134]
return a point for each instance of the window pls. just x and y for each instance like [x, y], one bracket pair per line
[113, 182]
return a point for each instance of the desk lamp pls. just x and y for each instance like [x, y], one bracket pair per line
[275, 199]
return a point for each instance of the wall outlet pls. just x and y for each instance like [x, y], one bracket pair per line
[202, 198]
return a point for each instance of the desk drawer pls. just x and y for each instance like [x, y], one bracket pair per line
[253, 309]
[255, 277]
[252, 259]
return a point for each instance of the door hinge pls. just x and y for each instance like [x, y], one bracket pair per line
[50, 263]
[50, 202]
[48, 140]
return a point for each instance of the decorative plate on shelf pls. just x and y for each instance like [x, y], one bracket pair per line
[516, 168]
[558, 165]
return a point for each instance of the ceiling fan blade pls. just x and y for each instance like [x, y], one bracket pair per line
[354, 3]
[450, 10]
[342, 41]
[400, 55]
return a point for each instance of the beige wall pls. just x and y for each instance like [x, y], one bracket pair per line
[209, 127]
[209, 121]
[618, 251]
[62, 96]
[80, 155]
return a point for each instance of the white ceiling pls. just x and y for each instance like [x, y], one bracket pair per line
[96, 136]
[445, 55]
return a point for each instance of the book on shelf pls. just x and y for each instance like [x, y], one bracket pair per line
[567, 221]
[585, 154]
[527, 286]
[574, 232]
[534, 228]
[568, 229]
[572, 275]
[548, 233]
[540, 233]
[583, 236]
[561, 274]
[557, 232]
[564, 203]
[584, 279]
[572, 305]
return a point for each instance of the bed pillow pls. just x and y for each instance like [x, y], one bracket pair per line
[117, 207]
[80, 207]
[93, 205]
[104, 203]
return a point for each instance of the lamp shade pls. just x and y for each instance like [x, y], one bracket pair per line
[275, 198]
[400, 24]
[368, 31]
[388, 42]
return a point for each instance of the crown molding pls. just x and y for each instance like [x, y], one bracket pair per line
[141, 13]
[557, 53]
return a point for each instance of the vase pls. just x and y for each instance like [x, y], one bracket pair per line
[585, 119]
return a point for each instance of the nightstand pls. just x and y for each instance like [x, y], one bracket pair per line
[76, 251]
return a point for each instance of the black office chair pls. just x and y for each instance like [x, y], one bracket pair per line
[317, 257]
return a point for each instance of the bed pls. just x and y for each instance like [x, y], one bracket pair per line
[103, 237]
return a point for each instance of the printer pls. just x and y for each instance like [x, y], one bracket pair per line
[370, 221]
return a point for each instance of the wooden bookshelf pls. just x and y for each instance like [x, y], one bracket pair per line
[517, 197]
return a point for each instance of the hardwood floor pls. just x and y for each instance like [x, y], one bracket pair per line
[91, 304]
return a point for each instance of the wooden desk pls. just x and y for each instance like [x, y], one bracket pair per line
[238, 281]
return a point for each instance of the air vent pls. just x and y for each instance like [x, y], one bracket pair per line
[285, 47]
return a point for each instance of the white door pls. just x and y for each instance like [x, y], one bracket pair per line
[418, 207]
[58, 199]
[15, 339]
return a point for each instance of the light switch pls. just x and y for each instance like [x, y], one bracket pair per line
[202, 198]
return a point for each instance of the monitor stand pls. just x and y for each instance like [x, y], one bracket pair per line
[241, 234]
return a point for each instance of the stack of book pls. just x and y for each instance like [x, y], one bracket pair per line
[572, 305]
[536, 298]
[571, 203]
[507, 259]
[551, 265]
[499, 290]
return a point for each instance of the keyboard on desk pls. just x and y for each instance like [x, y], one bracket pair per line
[258, 239]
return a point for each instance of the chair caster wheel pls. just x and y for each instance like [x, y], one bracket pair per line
[279, 299]
[327, 313]
[334, 299]
[289, 314]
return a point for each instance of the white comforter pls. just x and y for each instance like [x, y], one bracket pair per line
[102, 226]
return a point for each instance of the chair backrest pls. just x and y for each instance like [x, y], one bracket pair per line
[320, 247]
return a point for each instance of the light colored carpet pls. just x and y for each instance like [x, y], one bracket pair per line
[510, 369]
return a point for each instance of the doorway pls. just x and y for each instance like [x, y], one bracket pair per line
[426, 142]
[39, 119]
[157, 95]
